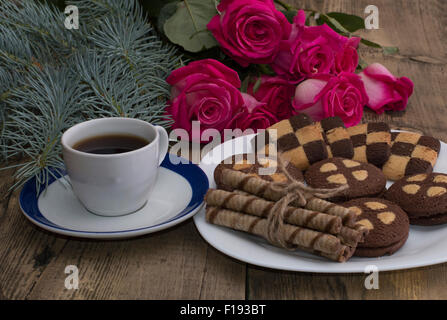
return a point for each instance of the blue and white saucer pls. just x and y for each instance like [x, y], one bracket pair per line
[177, 196]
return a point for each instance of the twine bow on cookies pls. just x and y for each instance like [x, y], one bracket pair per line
[295, 191]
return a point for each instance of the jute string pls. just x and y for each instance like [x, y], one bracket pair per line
[295, 191]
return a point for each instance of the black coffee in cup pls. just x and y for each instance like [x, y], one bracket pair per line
[111, 144]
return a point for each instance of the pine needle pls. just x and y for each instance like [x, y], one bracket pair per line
[52, 78]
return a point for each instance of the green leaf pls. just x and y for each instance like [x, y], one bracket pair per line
[165, 13]
[390, 50]
[350, 22]
[333, 23]
[257, 85]
[266, 69]
[289, 14]
[187, 26]
[362, 64]
[245, 83]
[386, 50]
[153, 7]
[370, 43]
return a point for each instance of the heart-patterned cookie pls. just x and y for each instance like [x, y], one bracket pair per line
[423, 196]
[363, 179]
[387, 223]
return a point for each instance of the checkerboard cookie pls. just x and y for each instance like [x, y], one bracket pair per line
[364, 180]
[423, 196]
[387, 223]
[411, 153]
[251, 165]
[372, 142]
[337, 138]
[298, 139]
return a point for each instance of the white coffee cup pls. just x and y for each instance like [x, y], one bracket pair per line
[114, 184]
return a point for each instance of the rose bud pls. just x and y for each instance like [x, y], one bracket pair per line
[385, 91]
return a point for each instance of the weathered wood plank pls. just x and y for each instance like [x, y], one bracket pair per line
[422, 283]
[25, 251]
[417, 27]
[172, 264]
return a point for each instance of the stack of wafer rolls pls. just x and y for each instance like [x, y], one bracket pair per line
[321, 243]
[317, 221]
[265, 189]
[321, 227]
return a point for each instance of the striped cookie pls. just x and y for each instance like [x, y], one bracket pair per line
[411, 153]
[298, 139]
[337, 138]
[371, 142]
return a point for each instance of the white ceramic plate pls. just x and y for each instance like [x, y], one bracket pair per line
[425, 245]
[177, 195]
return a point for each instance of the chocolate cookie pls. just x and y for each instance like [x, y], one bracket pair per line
[411, 153]
[337, 138]
[363, 179]
[298, 139]
[263, 168]
[423, 196]
[372, 142]
[387, 223]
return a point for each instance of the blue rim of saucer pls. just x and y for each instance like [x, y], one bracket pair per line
[196, 178]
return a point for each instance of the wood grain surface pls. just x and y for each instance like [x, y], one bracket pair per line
[179, 264]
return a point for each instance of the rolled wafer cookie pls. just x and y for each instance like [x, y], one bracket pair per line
[253, 164]
[353, 236]
[350, 235]
[253, 205]
[352, 232]
[342, 256]
[259, 207]
[313, 241]
[264, 189]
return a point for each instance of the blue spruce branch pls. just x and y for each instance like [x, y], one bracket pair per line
[52, 78]
[39, 113]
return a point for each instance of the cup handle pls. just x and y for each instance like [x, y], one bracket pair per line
[163, 143]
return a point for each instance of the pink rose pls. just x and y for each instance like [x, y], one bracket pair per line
[328, 96]
[311, 51]
[347, 59]
[249, 31]
[204, 91]
[277, 93]
[385, 91]
[255, 115]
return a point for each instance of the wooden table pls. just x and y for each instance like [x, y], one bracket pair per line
[178, 263]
